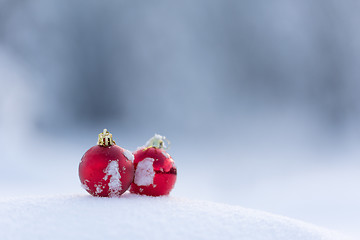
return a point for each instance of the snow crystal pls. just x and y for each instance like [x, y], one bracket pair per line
[85, 186]
[144, 174]
[165, 154]
[98, 188]
[112, 170]
[128, 155]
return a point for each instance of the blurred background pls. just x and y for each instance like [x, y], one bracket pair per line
[259, 99]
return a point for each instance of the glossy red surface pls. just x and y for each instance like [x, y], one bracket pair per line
[92, 171]
[164, 168]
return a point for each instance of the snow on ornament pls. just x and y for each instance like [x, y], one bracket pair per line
[155, 171]
[106, 170]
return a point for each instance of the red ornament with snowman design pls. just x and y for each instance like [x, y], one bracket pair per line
[155, 170]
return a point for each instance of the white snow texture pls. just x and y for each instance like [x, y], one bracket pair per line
[112, 170]
[129, 156]
[139, 217]
[144, 174]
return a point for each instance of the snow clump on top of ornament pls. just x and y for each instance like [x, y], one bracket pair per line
[157, 141]
[129, 156]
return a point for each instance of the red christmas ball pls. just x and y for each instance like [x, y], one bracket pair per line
[106, 170]
[155, 170]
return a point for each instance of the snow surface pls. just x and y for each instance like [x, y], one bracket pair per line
[313, 191]
[144, 174]
[139, 217]
[314, 187]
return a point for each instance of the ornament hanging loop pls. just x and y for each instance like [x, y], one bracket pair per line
[105, 139]
[158, 141]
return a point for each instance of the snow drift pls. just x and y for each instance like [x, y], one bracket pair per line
[139, 217]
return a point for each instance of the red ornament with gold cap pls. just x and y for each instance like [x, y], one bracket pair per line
[106, 170]
[155, 170]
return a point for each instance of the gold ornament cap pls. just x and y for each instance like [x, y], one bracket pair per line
[105, 139]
